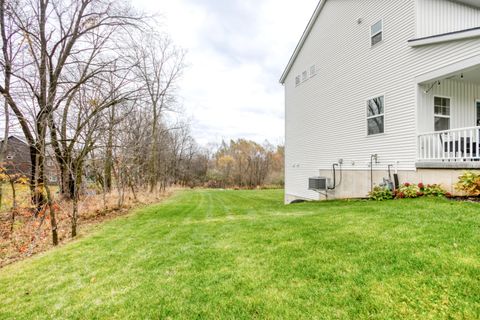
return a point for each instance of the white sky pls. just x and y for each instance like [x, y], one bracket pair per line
[236, 52]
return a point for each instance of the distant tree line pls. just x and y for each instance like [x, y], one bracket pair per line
[246, 164]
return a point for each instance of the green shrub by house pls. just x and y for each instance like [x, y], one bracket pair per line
[469, 183]
[381, 194]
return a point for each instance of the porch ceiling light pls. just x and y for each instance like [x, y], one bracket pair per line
[431, 87]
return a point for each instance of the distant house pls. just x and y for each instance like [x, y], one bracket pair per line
[17, 160]
[375, 85]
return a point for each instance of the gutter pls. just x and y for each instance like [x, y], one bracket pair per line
[445, 37]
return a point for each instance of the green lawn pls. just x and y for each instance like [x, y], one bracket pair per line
[243, 255]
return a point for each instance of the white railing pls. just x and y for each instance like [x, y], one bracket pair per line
[451, 145]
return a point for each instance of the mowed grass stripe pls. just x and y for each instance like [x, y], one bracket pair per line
[208, 254]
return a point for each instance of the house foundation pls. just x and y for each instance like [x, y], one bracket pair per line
[356, 184]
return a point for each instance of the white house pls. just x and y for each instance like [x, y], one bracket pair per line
[375, 85]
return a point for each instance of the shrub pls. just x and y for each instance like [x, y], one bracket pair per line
[433, 190]
[380, 194]
[469, 183]
[408, 190]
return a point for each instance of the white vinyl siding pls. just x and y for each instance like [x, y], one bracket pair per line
[436, 17]
[325, 118]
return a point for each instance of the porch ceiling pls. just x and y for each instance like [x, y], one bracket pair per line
[471, 75]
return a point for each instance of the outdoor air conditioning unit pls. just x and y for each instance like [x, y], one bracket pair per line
[318, 183]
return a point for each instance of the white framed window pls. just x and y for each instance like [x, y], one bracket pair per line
[376, 115]
[313, 70]
[304, 76]
[441, 113]
[52, 179]
[376, 33]
[297, 80]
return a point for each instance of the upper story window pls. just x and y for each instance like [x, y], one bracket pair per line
[376, 34]
[442, 113]
[376, 115]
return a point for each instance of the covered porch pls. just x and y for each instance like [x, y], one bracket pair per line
[448, 106]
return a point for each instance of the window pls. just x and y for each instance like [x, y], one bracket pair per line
[49, 163]
[297, 80]
[442, 113]
[313, 70]
[376, 34]
[52, 179]
[478, 113]
[304, 76]
[376, 115]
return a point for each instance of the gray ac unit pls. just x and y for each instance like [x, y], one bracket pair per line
[318, 183]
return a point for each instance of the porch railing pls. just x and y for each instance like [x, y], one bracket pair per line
[451, 145]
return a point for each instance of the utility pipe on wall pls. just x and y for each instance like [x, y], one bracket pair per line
[372, 157]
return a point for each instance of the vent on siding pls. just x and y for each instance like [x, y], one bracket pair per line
[297, 80]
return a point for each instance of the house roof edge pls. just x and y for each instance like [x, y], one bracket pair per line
[302, 40]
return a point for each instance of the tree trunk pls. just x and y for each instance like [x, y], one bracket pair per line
[53, 219]
[66, 182]
[77, 181]
[1, 193]
[14, 204]
[108, 164]
[7, 75]
[74, 217]
[107, 172]
[154, 151]
[36, 178]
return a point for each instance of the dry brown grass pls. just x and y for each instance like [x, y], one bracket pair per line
[31, 235]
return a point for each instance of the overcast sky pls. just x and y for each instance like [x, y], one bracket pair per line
[237, 50]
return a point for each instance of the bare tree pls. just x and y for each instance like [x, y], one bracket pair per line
[160, 65]
[65, 41]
